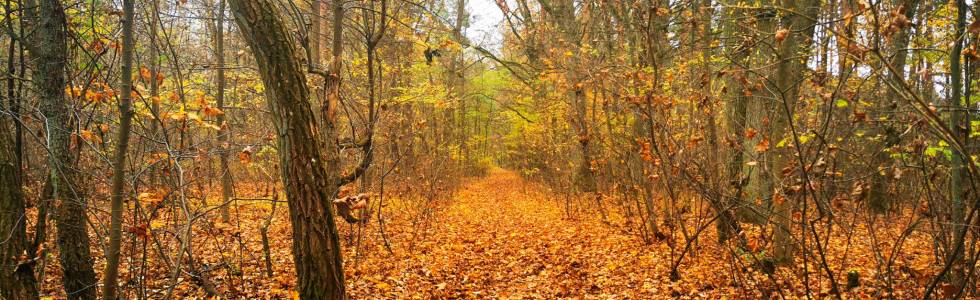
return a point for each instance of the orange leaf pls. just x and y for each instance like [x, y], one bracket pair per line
[212, 111]
[762, 146]
[781, 35]
[245, 156]
[146, 74]
[90, 137]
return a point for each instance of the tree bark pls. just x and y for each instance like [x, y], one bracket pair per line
[227, 182]
[792, 55]
[735, 107]
[16, 270]
[458, 73]
[50, 56]
[110, 281]
[877, 199]
[727, 225]
[956, 124]
[309, 188]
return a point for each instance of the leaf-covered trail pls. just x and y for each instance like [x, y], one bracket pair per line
[501, 237]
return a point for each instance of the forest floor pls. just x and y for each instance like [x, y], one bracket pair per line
[497, 237]
[501, 237]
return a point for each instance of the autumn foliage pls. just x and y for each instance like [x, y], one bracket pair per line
[478, 149]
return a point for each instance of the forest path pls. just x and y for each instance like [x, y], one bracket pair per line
[502, 237]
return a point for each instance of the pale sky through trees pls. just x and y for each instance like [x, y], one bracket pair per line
[485, 19]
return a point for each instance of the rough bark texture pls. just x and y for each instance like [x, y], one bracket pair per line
[49, 56]
[16, 273]
[309, 189]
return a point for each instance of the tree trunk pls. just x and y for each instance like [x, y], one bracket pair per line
[315, 32]
[563, 15]
[458, 82]
[227, 183]
[956, 125]
[154, 58]
[16, 271]
[792, 53]
[50, 55]
[309, 188]
[727, 224]
[110, 281]
[877, 199]
[331, 101]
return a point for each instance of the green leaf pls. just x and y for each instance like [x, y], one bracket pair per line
[841, 103]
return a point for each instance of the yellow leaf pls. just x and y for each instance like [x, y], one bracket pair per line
[200, 100]
[179, 116]
[157, 224]
[210, 125]
[144, 195]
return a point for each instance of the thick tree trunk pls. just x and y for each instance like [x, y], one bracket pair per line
[50, 55]
[759, 108]
[735, 107]
[309, 188]
[16, 271]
